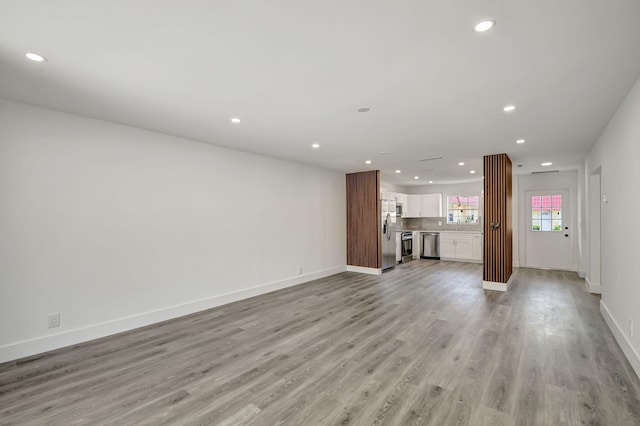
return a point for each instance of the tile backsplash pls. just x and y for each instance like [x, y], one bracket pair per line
[433, 224]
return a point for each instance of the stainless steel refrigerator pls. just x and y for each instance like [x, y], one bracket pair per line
[388, 229]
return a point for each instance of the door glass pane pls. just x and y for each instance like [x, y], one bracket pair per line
[536, 201]
[546, 213]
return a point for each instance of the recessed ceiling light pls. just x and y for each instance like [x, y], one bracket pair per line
[484, 26]
[430, 181]
[398, 171]
[520, 141]
[472, 171]
[35, 57]
[509, 108]
[461, 164]
[545, 164]
[368, 162]
[235, 120]
[315, 145]
[416, 177]
[364, 109]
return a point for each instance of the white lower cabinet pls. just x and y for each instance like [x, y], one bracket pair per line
[476, 247]
[461, 246]
[447, 247]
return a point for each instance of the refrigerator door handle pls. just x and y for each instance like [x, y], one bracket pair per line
[387, 221]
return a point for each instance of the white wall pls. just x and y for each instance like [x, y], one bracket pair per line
[617, 153]
[593, 220]
[116, 227]
[390, 187]
[469, 188]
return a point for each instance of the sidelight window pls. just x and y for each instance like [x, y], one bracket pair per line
[546, 213]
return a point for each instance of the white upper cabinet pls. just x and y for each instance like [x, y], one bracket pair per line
[402, 199]
[423, 205]
[431, 205]
[414, 205]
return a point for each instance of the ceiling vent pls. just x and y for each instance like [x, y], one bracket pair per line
[431, 158]
[546, 171]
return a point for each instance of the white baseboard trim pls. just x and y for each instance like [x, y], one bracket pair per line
[492, 285]
[621, 338]
[516, 264]
[38, 345]
[591, 287]
[364, 270]
[449, 259]
[581, 273]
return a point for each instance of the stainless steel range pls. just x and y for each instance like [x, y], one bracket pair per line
[407, 246]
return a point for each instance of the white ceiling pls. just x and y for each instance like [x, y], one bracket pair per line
[295, 72]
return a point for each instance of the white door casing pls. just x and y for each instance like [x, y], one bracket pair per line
[545, 245]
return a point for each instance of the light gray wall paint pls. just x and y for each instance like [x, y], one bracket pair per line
[115, 227]
[616, 154]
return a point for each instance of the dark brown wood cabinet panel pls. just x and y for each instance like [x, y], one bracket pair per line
[363, 219]
[498, 228]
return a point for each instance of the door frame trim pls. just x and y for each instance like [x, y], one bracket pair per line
[524, 228]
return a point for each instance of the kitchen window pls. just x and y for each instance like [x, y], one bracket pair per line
[463, 209]
[546, 213]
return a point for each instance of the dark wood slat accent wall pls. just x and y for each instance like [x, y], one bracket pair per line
[498, 243]
[363, 219]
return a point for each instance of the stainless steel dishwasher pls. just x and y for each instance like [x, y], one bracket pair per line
[430, 245]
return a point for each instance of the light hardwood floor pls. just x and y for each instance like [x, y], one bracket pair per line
[422, 344]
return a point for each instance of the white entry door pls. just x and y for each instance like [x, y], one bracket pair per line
[548, 230]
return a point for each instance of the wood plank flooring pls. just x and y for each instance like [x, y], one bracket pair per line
[422, 344]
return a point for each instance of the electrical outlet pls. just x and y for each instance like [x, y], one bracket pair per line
[631, 327]
[54, 320]
[299, 270]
